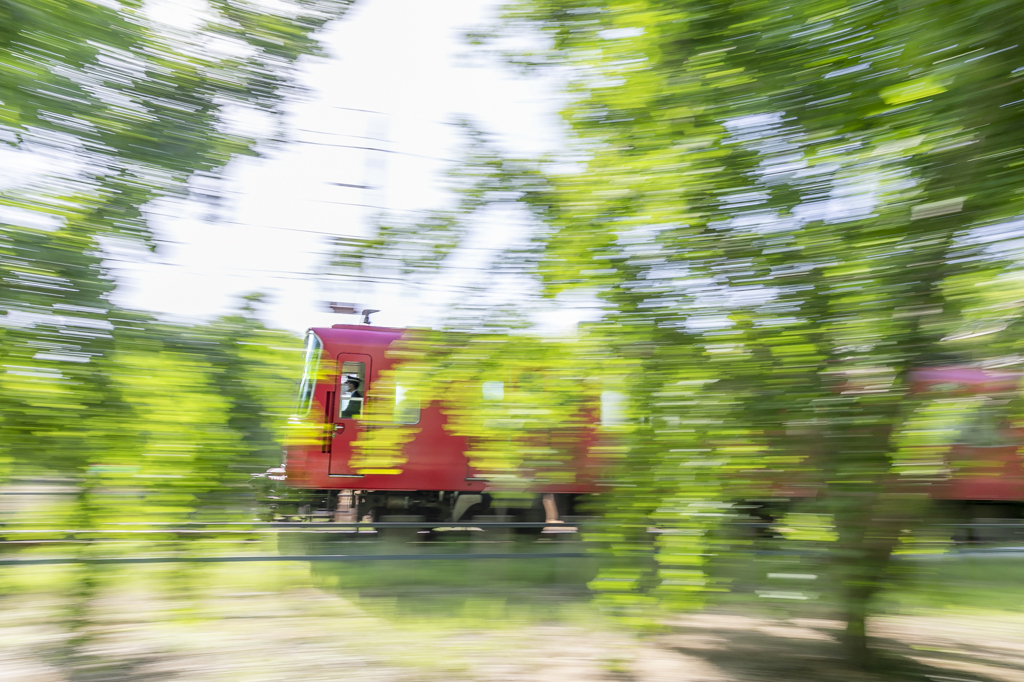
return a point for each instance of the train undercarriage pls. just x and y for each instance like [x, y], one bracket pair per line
[278, 502]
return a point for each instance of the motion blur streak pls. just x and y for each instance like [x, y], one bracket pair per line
[800, 225]
[107, 415]
[787, 213]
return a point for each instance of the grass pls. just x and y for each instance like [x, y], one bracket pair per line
[452, 594]
[515, 619]
[965, 583]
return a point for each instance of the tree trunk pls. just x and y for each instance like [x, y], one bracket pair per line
[855, 640]
[868, 541]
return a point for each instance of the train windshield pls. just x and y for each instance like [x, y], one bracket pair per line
[310, 364]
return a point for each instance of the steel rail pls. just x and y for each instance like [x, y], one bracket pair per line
[461, 556]
[351, 527]
[332, 527]
[1015, 552]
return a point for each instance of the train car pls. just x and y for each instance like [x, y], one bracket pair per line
[974, 472]
[342, 364]
[980, 478]
[982, 484]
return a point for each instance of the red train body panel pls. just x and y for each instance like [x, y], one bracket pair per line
[436, 462]
[984, 467]
[983, 474]
[436, 458]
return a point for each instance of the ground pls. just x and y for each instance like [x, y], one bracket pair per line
[256, 623]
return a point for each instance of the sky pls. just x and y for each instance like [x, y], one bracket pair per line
[397, 76]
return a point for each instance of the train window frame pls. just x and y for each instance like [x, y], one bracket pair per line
[311, 356]
[343, 402]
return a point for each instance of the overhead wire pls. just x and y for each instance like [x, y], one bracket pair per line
[297, 276]
[368, 149]
[307, 276]
[299, 229]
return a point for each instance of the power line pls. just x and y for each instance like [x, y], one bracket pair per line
[294, 275]
[323, 201]
[357, 137]
[326, 234]
[368, 149]
[380, 208]
[272, 227]
[451, 124]
[282, 272]
[365, 111]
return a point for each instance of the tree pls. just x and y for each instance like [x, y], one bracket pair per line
[116, 108]
[105, 108]
[208, 408]
[785, 210]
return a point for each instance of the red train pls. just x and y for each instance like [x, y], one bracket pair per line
[436, 481]
[978, 477]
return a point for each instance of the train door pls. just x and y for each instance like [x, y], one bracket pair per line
[351, 389]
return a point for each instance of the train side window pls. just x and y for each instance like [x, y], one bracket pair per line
[613, 408]
[494, 390]
[310, 365]
[407, 408]
[351, 404]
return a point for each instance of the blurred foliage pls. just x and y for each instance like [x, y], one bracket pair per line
[105, 109]
[201, 408]
[409, 251]
[522, 403]
[783, 210]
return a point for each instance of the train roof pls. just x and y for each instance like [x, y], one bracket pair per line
[358, 334]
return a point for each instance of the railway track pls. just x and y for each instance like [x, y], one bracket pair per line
[246, 558]
[394, 535]
[483, 540]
